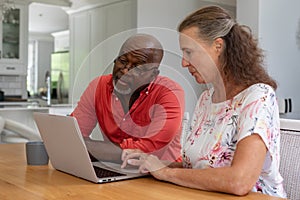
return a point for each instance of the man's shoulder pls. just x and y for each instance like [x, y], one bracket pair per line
[106, 77]
[101, 82]
[103, 79]
[166, 81]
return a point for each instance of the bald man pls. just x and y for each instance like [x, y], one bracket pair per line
[135, 107]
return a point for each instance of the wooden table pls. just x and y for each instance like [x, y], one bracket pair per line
[20, 181]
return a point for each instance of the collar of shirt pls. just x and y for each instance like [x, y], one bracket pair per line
[143, 94]
[145, 91]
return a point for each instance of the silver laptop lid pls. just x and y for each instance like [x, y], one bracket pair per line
[67, 150]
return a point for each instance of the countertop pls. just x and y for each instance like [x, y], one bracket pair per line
[20, 106]
[32, 106]
[291, 115]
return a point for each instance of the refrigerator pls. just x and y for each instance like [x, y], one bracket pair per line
[60, 77]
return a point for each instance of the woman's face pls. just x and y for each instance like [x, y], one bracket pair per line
[198, 56]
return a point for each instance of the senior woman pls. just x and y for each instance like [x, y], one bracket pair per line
[233, 145]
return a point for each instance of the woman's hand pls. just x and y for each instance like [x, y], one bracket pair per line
[127, 152]
[147, 163]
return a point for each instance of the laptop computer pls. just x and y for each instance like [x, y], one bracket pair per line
[68, 153]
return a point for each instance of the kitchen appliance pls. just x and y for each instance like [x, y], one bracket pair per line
[60, 77]
[1, 95]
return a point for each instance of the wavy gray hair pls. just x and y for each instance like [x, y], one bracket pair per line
[212, 22]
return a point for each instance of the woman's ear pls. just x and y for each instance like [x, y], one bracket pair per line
[219, 44]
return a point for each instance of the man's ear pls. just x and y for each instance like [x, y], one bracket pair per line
[155, 72]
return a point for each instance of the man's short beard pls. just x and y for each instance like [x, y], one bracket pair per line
[120, 91]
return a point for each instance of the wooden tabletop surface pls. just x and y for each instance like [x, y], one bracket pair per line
[21, 181]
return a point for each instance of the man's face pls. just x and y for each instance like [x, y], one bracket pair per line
[133, 70]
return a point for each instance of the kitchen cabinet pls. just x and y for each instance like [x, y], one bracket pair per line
[79, 48]
[61, 40]
[13, 51]
[88, 29]
[14, 41]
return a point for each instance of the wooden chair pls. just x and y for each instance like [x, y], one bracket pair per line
[289, 152]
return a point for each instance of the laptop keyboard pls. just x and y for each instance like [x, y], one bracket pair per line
[103, 173]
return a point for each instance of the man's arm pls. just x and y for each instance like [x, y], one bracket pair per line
[84, 112]
[103, 150]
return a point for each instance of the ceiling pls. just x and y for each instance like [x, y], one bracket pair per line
[48, 16]
[46, 19]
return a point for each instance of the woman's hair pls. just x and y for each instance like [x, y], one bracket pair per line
[241, 58]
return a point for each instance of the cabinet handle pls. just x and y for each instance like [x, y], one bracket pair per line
[10, 68]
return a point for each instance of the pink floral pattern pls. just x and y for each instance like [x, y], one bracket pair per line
[216, 128]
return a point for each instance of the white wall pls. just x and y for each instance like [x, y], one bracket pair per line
[247, 14]
[44, 46]
[161, 18]
[276, 24]
[157, 17]
[167, 14]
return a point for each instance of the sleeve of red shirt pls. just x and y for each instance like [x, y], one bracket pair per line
[85, 110]
[163, 134]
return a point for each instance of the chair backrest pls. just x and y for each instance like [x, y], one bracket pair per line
[185, 128]
[289, 152]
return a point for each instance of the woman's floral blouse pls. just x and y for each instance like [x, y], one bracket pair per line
[216, 129]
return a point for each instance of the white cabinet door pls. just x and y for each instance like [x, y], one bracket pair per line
[121, 17]
[108, 24]
[90, 52]
[14, 41]
[11, 69]
[80, 47]
[98, 30]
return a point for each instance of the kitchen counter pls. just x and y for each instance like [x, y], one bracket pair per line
[22, 113]
[60, 109]
[291, 115]
[20, 106]
[19, 125]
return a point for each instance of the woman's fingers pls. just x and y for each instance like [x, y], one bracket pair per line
[147, 163]
[131, 156]
[127, 152]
